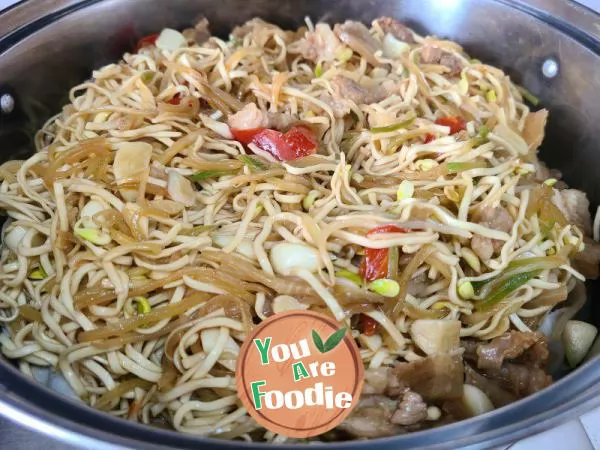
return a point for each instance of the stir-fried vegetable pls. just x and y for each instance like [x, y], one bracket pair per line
[529, 96]
[318, 70]
[368, 326]
[92, 235]
[504, 287]
[540, 203]
[490, 96]
[253, 162]
[38, 274]
[206, 174]
[105, 401]
[143, 305]
[466, 291]
[435, 336]
[245, 136]
[460, 166]
[375, 262]
[350, 276]
[170, 40]
[578, 338]
[455, 123]
[297, 142]
[385, 287]
[393, 127]
[146, 41]
[406, 189]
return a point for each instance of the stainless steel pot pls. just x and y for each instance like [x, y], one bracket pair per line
[552, 47]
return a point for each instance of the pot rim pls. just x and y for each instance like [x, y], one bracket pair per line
[22, 20]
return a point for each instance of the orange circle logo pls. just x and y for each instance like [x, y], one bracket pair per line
[299, 374]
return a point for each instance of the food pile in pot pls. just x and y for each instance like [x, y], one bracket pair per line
[199, 185]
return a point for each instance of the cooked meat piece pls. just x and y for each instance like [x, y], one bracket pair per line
[372, 418]
[357, 36]
[482, 246]
[430, 54]
[321, 44]
[202, 31]
[436, 377]
[543, 172]
[199, 34]
[346, 88]
[418, 285]
[533, 131]
[249, 27]
[376, 380]
[506, 381]
[512, 345]
[588, 261]
[492, 389]
[496, 218]
[575, 206]
[281, 121]
[412, 409]
[523, 380]
[452, 63]
[248, 118]
[396, 29]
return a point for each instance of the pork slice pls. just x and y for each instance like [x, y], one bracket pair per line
[575, 205]
[588, 261]
[249, 27]
[372, 418]
[437, 377]
[396, 29]
[509, 367]
[248, 118]
[431, 54]
[320, 44]
[523, 379]
[411, 410]
[201, 31]
[418, 285]
[512, 345]
[346, 88]
[496, 218]
[498, 395]
[357, 36]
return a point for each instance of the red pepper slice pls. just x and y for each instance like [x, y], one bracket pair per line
[368, 326]
[175, 100]
[456, 123]
[296, 143]
[301, 142]
[374, 265]
[428, 138]
[245, 136]
[146, 41]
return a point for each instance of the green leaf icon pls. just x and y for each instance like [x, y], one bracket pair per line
[334, 340]
[318, 341]
[331, 342]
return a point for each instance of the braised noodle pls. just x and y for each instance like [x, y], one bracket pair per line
[138, 284]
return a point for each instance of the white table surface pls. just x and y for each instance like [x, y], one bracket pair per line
[581, 434]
